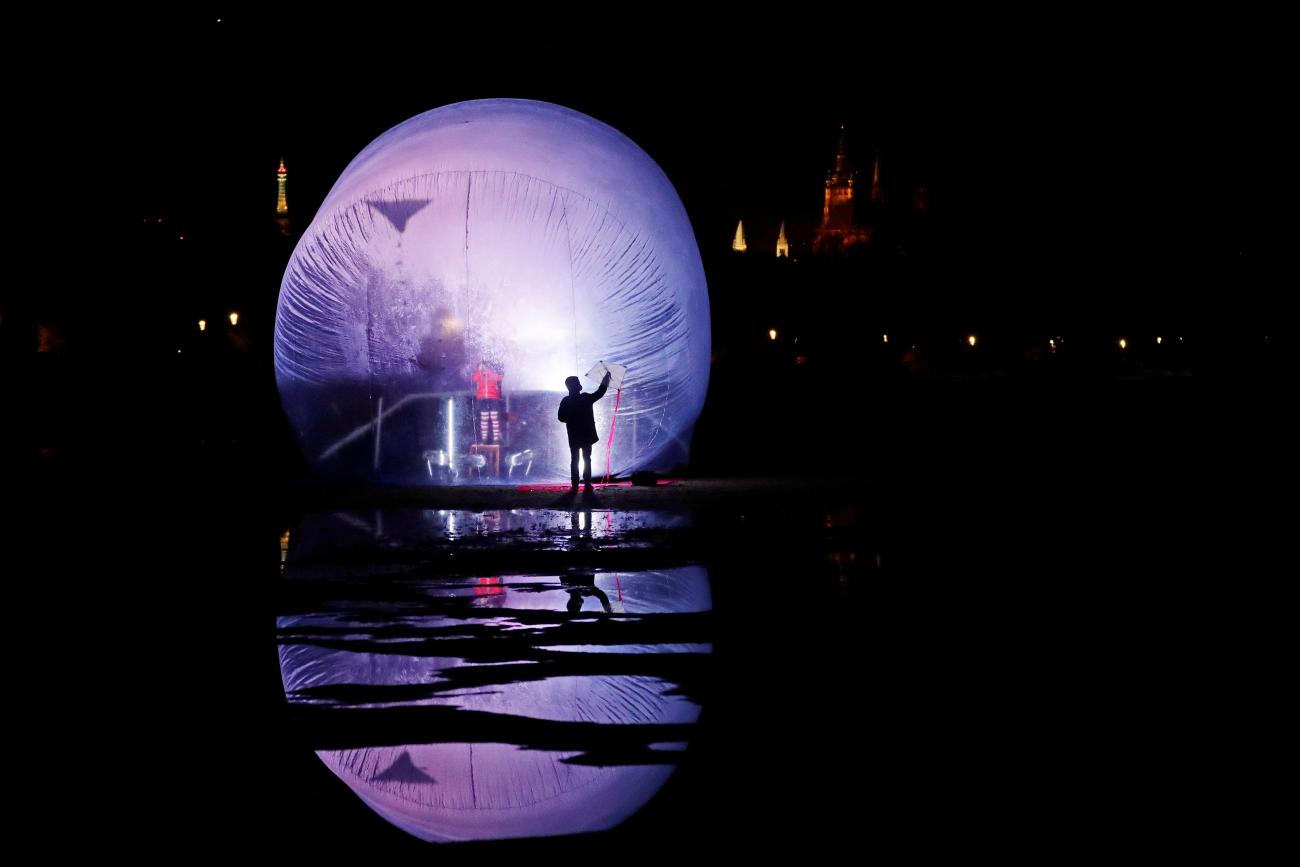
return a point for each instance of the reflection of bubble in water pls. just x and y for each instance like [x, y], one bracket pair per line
[514, 232]
[328, 536]
[463, 791]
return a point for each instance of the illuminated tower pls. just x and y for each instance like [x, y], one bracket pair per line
[877, 194]
[839, 228]
[281, 204]
[838, 207]
[782, 245]
[739, 243]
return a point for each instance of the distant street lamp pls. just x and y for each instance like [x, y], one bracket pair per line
[1123, 344]
[885, 338]
[203, 325]
[1159, 340]
[971, 340]
[234, 318]
[772, 333]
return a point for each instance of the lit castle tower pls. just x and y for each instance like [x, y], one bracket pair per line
[281, 203]
[838, 228]
[739, 244]
[782, 245]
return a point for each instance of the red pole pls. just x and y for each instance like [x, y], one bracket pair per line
[609, 443]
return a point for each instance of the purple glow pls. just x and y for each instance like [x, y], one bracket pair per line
[516, 232]
[442, 790]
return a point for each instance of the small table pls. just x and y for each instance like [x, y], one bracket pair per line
[491, 451]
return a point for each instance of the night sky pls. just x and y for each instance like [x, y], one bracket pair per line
[1068, 163]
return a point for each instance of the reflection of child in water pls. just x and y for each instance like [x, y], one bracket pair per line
[487, 396]
[580, 584]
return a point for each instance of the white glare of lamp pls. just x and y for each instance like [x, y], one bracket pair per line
[1159, 340]
[451, 434]
[971, 340]
[885, 338]
[234, 318]
[1123, 344]
[203, 325]
[772, 333]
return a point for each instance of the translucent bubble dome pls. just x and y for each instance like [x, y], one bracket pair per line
[508, 236]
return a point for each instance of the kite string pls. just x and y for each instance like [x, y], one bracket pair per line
[609, 444]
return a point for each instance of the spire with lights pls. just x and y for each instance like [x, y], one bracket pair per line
[739, 244]
[281, 204]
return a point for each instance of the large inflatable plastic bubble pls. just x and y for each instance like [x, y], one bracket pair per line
[465, 264]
